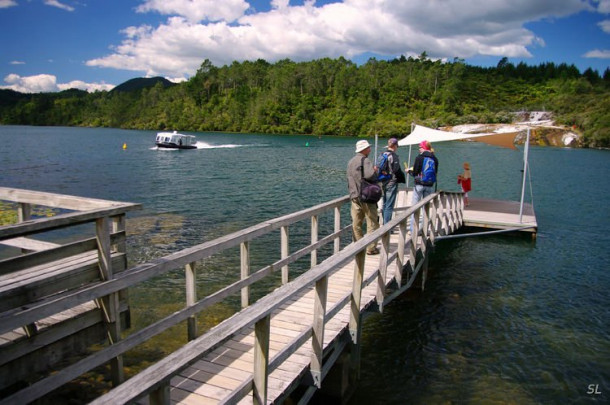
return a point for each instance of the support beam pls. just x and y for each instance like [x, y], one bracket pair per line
[314, 239]
[262, 330]
[190, 272]
[317, 338]
[285, 251]
[245, 272]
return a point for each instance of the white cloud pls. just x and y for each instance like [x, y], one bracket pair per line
[17, 62]
[56, 3]
[45, 83]
[7, 3]
[444, 30]
[197, 10]
[31, 84]
[604, 6]
[90, 87]
[598, 53]
[605, 26]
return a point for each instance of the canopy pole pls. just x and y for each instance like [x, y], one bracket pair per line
[409, 160]
[525, 157]
[376, 139]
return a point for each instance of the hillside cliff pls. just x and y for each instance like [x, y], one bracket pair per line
[543, 130]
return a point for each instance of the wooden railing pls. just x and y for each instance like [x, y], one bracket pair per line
[440, 213]
[41, 269]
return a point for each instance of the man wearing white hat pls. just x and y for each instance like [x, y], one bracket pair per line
[357, 167]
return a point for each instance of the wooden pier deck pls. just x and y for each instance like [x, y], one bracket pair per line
[219, 373]
[492, 214]
[288, 339]
[199, 385]
[497, 214]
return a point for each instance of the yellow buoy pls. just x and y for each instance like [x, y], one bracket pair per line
[125, 146]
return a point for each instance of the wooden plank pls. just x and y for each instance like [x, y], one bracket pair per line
[217, 380]
[29, 244]
[55, 200]
[181, 396]
[62, 221]
[61, 252]
[19, 289]
[196, 387]
[220, 369]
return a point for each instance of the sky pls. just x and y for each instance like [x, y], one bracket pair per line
[54, 45]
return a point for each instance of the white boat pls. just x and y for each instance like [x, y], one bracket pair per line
[174, 140]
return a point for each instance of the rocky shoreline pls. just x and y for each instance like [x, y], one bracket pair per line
[543, 130]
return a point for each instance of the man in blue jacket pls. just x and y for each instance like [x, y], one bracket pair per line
[424, 172]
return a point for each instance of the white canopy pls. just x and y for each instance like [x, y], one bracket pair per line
[504, 139]
[420, 133]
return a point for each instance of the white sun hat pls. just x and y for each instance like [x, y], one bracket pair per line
[362, 145]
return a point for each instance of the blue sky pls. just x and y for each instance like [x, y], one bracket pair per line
[52, 45]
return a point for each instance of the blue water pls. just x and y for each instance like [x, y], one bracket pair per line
[502, 319]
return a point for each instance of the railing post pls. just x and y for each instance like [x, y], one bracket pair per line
[118, 225]
[433, 219]
[460, 199]
[400, 257]
[160, 396]
[425, 242]
[262, 331]
[24, 213]
[191, 298]
[460, 209]
[443, 214]
[354, 318]
[245, 272]
[337, 229]
[426, 222]
[109, 303]
[413, 242]
[284, 252]
[383, 269]
[451, 212]
[314, 239]
[317, 338]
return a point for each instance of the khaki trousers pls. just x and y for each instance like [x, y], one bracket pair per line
[360, 212]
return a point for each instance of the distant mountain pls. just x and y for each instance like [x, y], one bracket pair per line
[142, 83]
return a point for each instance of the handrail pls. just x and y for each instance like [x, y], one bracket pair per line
[142, 272]
[84, 210]
[243, 319]
[46, 307]
[181, 358]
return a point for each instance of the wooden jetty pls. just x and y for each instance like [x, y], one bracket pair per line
[490, 214]
[301, 337]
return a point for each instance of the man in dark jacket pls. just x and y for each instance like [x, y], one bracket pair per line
[424, 171]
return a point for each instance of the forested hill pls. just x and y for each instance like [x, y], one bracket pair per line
[333, 97]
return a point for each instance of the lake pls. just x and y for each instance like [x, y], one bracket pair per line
[503, 319]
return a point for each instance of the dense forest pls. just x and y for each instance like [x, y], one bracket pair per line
[332, 97]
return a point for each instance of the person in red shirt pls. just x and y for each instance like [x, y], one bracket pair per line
[465, 180]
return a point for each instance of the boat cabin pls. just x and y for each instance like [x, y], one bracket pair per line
[174, 140]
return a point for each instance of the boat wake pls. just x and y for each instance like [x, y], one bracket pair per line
[201, 145]
[204, 145]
